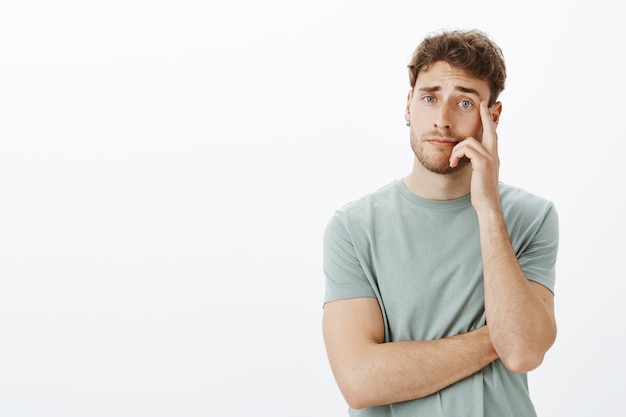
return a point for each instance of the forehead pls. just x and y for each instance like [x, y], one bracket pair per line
[443, 76]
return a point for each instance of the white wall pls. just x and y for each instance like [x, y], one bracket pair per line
[167, 169]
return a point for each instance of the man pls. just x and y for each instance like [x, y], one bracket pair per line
[439, 286]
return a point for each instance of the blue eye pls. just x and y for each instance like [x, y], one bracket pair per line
[429, 99]
[465, 104]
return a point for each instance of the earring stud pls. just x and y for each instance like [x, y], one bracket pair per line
[408, 123]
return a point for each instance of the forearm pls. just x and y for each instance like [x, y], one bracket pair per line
[520, 322]
[385, 373]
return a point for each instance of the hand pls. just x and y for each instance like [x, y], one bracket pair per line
[485, 163]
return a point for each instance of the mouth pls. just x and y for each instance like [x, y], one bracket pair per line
[443, 142]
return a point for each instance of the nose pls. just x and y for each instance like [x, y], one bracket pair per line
[443, 117]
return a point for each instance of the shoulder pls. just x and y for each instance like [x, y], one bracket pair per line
[369, 203]
[360, 214]
[526, 212]
[516, 199]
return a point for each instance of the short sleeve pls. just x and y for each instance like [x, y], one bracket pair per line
[345, 277]
[538, 260]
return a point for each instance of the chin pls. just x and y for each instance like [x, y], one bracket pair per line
[442, 166]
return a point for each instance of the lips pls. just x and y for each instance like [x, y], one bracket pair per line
[442, 142]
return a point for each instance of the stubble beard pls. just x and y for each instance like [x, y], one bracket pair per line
[438, 160]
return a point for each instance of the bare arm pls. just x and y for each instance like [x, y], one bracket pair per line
[370, 372]
[520, 313]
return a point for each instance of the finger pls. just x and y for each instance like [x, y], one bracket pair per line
[461, 153]
[469, 148]
[490, 137]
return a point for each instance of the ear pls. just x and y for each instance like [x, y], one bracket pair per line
[407, 110]
[496, 111]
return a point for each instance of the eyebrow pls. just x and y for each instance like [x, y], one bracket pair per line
[462, 89]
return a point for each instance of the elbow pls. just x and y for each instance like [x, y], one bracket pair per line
[360, 401]
[355, 397]
[522, 362]
[354, 388]
[526, 357]
[356, 402]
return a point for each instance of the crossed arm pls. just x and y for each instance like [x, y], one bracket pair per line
[370, 372]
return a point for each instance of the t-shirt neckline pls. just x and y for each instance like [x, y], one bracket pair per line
[424, 202]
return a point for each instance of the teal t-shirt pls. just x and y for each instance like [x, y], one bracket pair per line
[421, 259]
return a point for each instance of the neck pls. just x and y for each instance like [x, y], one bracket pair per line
[432, 186]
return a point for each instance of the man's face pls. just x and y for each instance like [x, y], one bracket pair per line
[443, 109]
